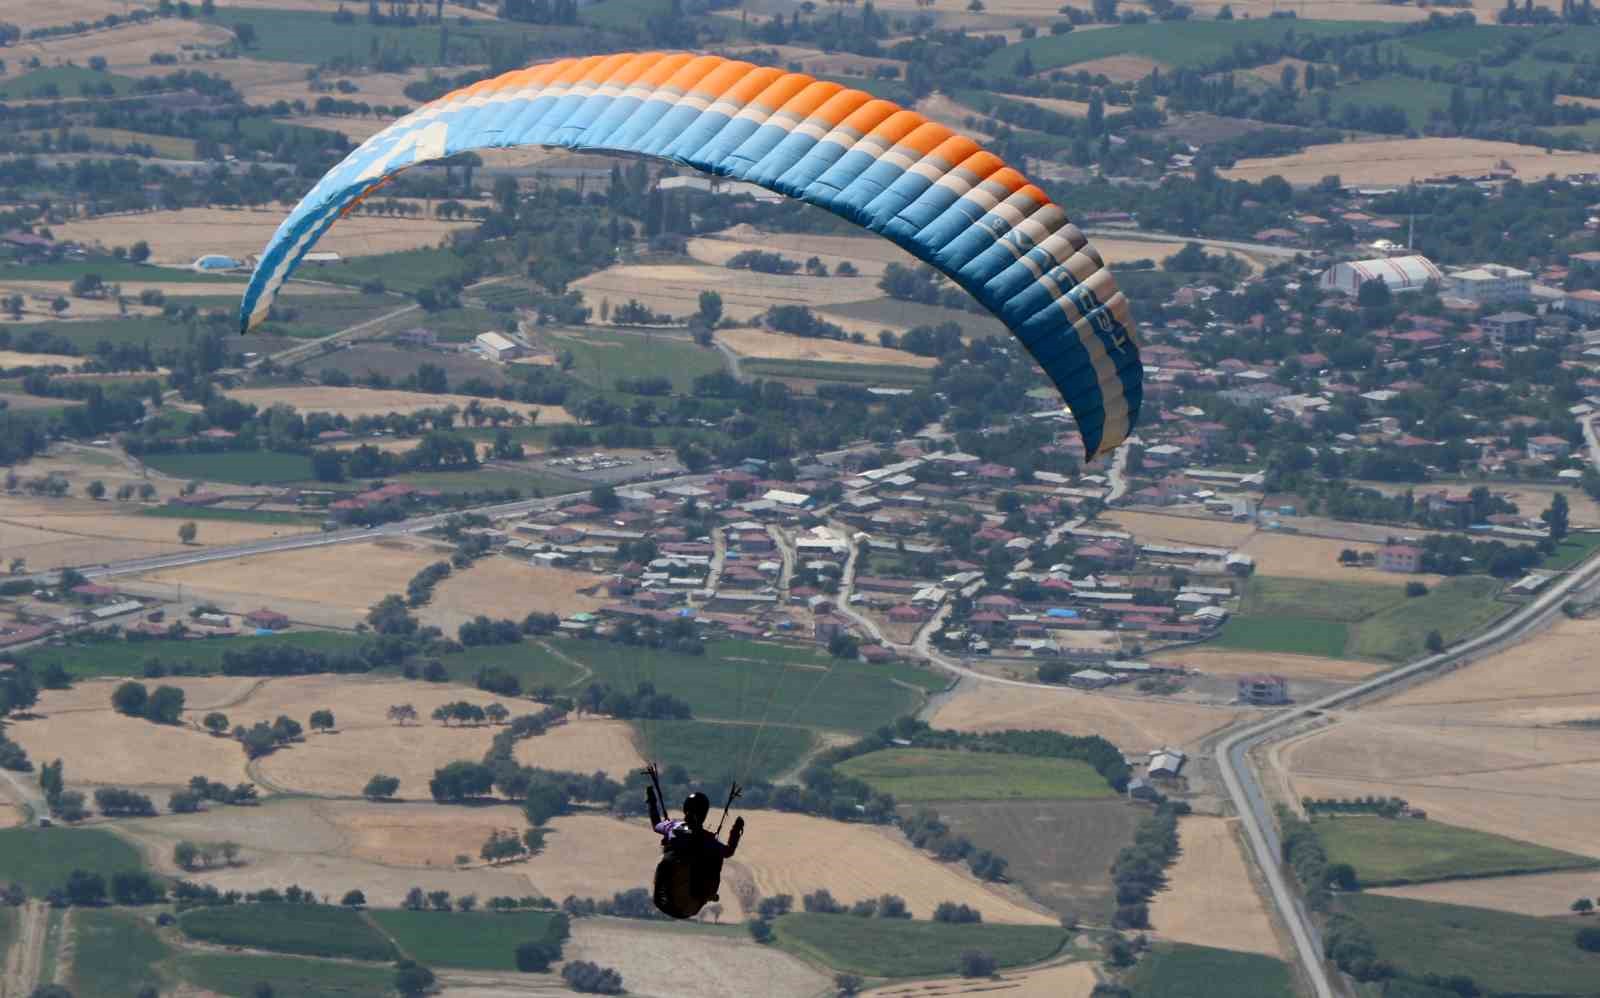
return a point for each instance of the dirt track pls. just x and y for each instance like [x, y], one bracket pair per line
[27, 951]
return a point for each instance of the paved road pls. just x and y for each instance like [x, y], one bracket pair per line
[1262, 249]
[1251, 803]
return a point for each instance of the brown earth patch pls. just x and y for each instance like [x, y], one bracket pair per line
[1205, 531]
[756, 343]
[1210, 899]
[678, 964]
[1296, 556]
[509, 588]
[1132, 725]
[675, 289]
[1540, 895]
[353, 402]
[1057, 980]
[107, 748]
[1398, 161]
[1227, 662]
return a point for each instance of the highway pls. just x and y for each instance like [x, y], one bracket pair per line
[1251, 802]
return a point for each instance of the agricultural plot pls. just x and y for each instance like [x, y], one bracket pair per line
[353, 402]
[761, 345]
[1396, 161]
[397, 363]
[1540, 895]
[1316, 559]
[1210, 899]
[302, 35]
[126, 659]
[721, 753]
[41, 858]
[289, 977]
[1059, 852]
[675, 289]
[1501, 952]
[128, 751]
[1227, 661]
[868, 317]
[1455, 608]
[1387, 852]
[179, 235]
[928, 775]
[303, 929]
[601, 357]
[473, 940]
[115, 953]
[1177, 970]
[868, 254]
[127, 48]
[881, 947]
[401, 269]
[682, 961]
[509, 588]
[823, 371]
[1132, 725]
[1189, 43]
[1053, 980]
[242, 467]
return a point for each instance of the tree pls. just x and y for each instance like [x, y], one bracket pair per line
[415, 900]
[1582, 906]
[216, 722]
[760, 931]
[402, 712]
[976, 963]
[354, 899]
[536, 956]
[1556, 517]
[165, 705]
[186, 855]
[130, 698]
[381, 787]
[184, 802]
[710, 313]
[187, 532]
[1434, 642]
[322, 720]
[1588, 939]
[84, 888]
[847, 984]
[96, 489]
[496, 713]
[412, 979]
[440, 900]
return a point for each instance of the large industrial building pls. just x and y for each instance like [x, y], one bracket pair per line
[1401, 273]
[497, 347]
[1490, 284]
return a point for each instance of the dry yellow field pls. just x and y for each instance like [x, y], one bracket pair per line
[30, 16]
[1576, 101]
[127, 49]
[593, 855]
[675, 289]
[422, 834]
[16, 358]
[796, 854]
[1531, 500]
[1114, 251]
[319, 585]
[508, 588]
[1118, 68]
[61, 532]
[1299, 557]
[1479, 747]
[10, 816]
[354, 128]
[584, 745]
[1132, 725]
[663, 963]
[1211, 531]
[181, 235]
[756, 343]
[1210, 899]
[1542, 895]
[1074, 108]
[1056, 980]
[868, 255]
[1227, 662]
[127, 751]
[200, 693]
[353, 402]
[1398, 161]
[957, 116]
[37, 297]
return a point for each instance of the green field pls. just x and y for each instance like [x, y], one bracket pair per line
[475, 940]
[624, 15]
[816, 370]
[289, 977]
[1418, 98]
[110, 269]
[1177, 44]
[125, 658]
[41, 858]
[1347, 602]
[892, 947]
[115, 953]
[1292, 635]
[314, 37]
[1572, 549]
[1178, 970]
[166, 146]
[896, 314]
[933, 774]
[203, 513]
[68, 81]
[719, 753]
[407, 270]
[1455, 608]
[532, 662]
[601, 357]
[1387, 851]
[242, 467]
[313, 316]
[303, 929]
[85, 335]
[1513, 954]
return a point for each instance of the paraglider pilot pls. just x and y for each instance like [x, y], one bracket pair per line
[690, 871]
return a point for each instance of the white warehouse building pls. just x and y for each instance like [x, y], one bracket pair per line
[1401, 273]
[497, 347]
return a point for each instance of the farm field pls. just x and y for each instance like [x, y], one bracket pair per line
[1501, 952]
[475, 940]
[675, 289]
[179, 235]
[1054, 980]
[885, 947]
[779, 346]
[798, 854]
[1194, 43]
[927, 775]
[128, 48]
[303, 929]
[1396, 161]
[1176, 970]
[419, 835]
[1455, 608]
[353, 402]
[1317, 559]
[242, 467]
[126, 658]
[803, 371]
[1132, 725]
[868, 317]
[41, 858]
[16, 358]
[601, 357]
[289, 977]
[1486, 747]
[1211, 899]
[1235, 662]
[1059, 852]
[1210, 531]
[68, 11]
[398, 363]
[326, 585]
[1388, 852]
[509, 588]
[1296, 636]
[128, 751]
[717, 753]
[114, 952]
[678, 962]
[868, 254]
[1540, 895]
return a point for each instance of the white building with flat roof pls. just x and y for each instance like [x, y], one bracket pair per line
[1490, 284]
[497, 347]
[1400, 273]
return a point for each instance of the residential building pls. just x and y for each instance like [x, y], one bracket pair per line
[265, 619]
[1583, 304]
[1548, 447]
[1490, 284]
[1400, 558]
[1091, 679]
[1510, 328]
[1400, 273]
[1263, 689]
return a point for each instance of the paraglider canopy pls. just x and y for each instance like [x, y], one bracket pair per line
[937, 194]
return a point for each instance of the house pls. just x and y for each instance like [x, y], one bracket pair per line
[1584, 304]
[826, 627]
[1400, 558]
[267, 620]
[497, 347]
[876, 654]
[1090, 679]
[1548, 447]
[1263, 689]
[1165, 763]
[1510, 328]
[1400, 273]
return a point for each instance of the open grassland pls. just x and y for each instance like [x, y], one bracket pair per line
[928, 775]
[1487, 747]
[509, 588]
[115, 953]
[474, 940]
[182, 234]
[242, 467]
[41, 858]
[1397, 161]
[1386, 851]
[353, 402]
[129, 751]
[881, 947]
[1132, 725]
[675, 289]
[1059, 852]
[1454, 607]
[534, 663]
[319, 585]
[304, 929]
[717, 753]
[1316, 559]
[1177, 970]
[780, 346]
[601, 357]
[408, 270]
[681, 961]
[1210, 898]
[1502, 953]
[1325, 638]
[289, 977]
[1540, 895]
[126, 658]
[796, 854]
